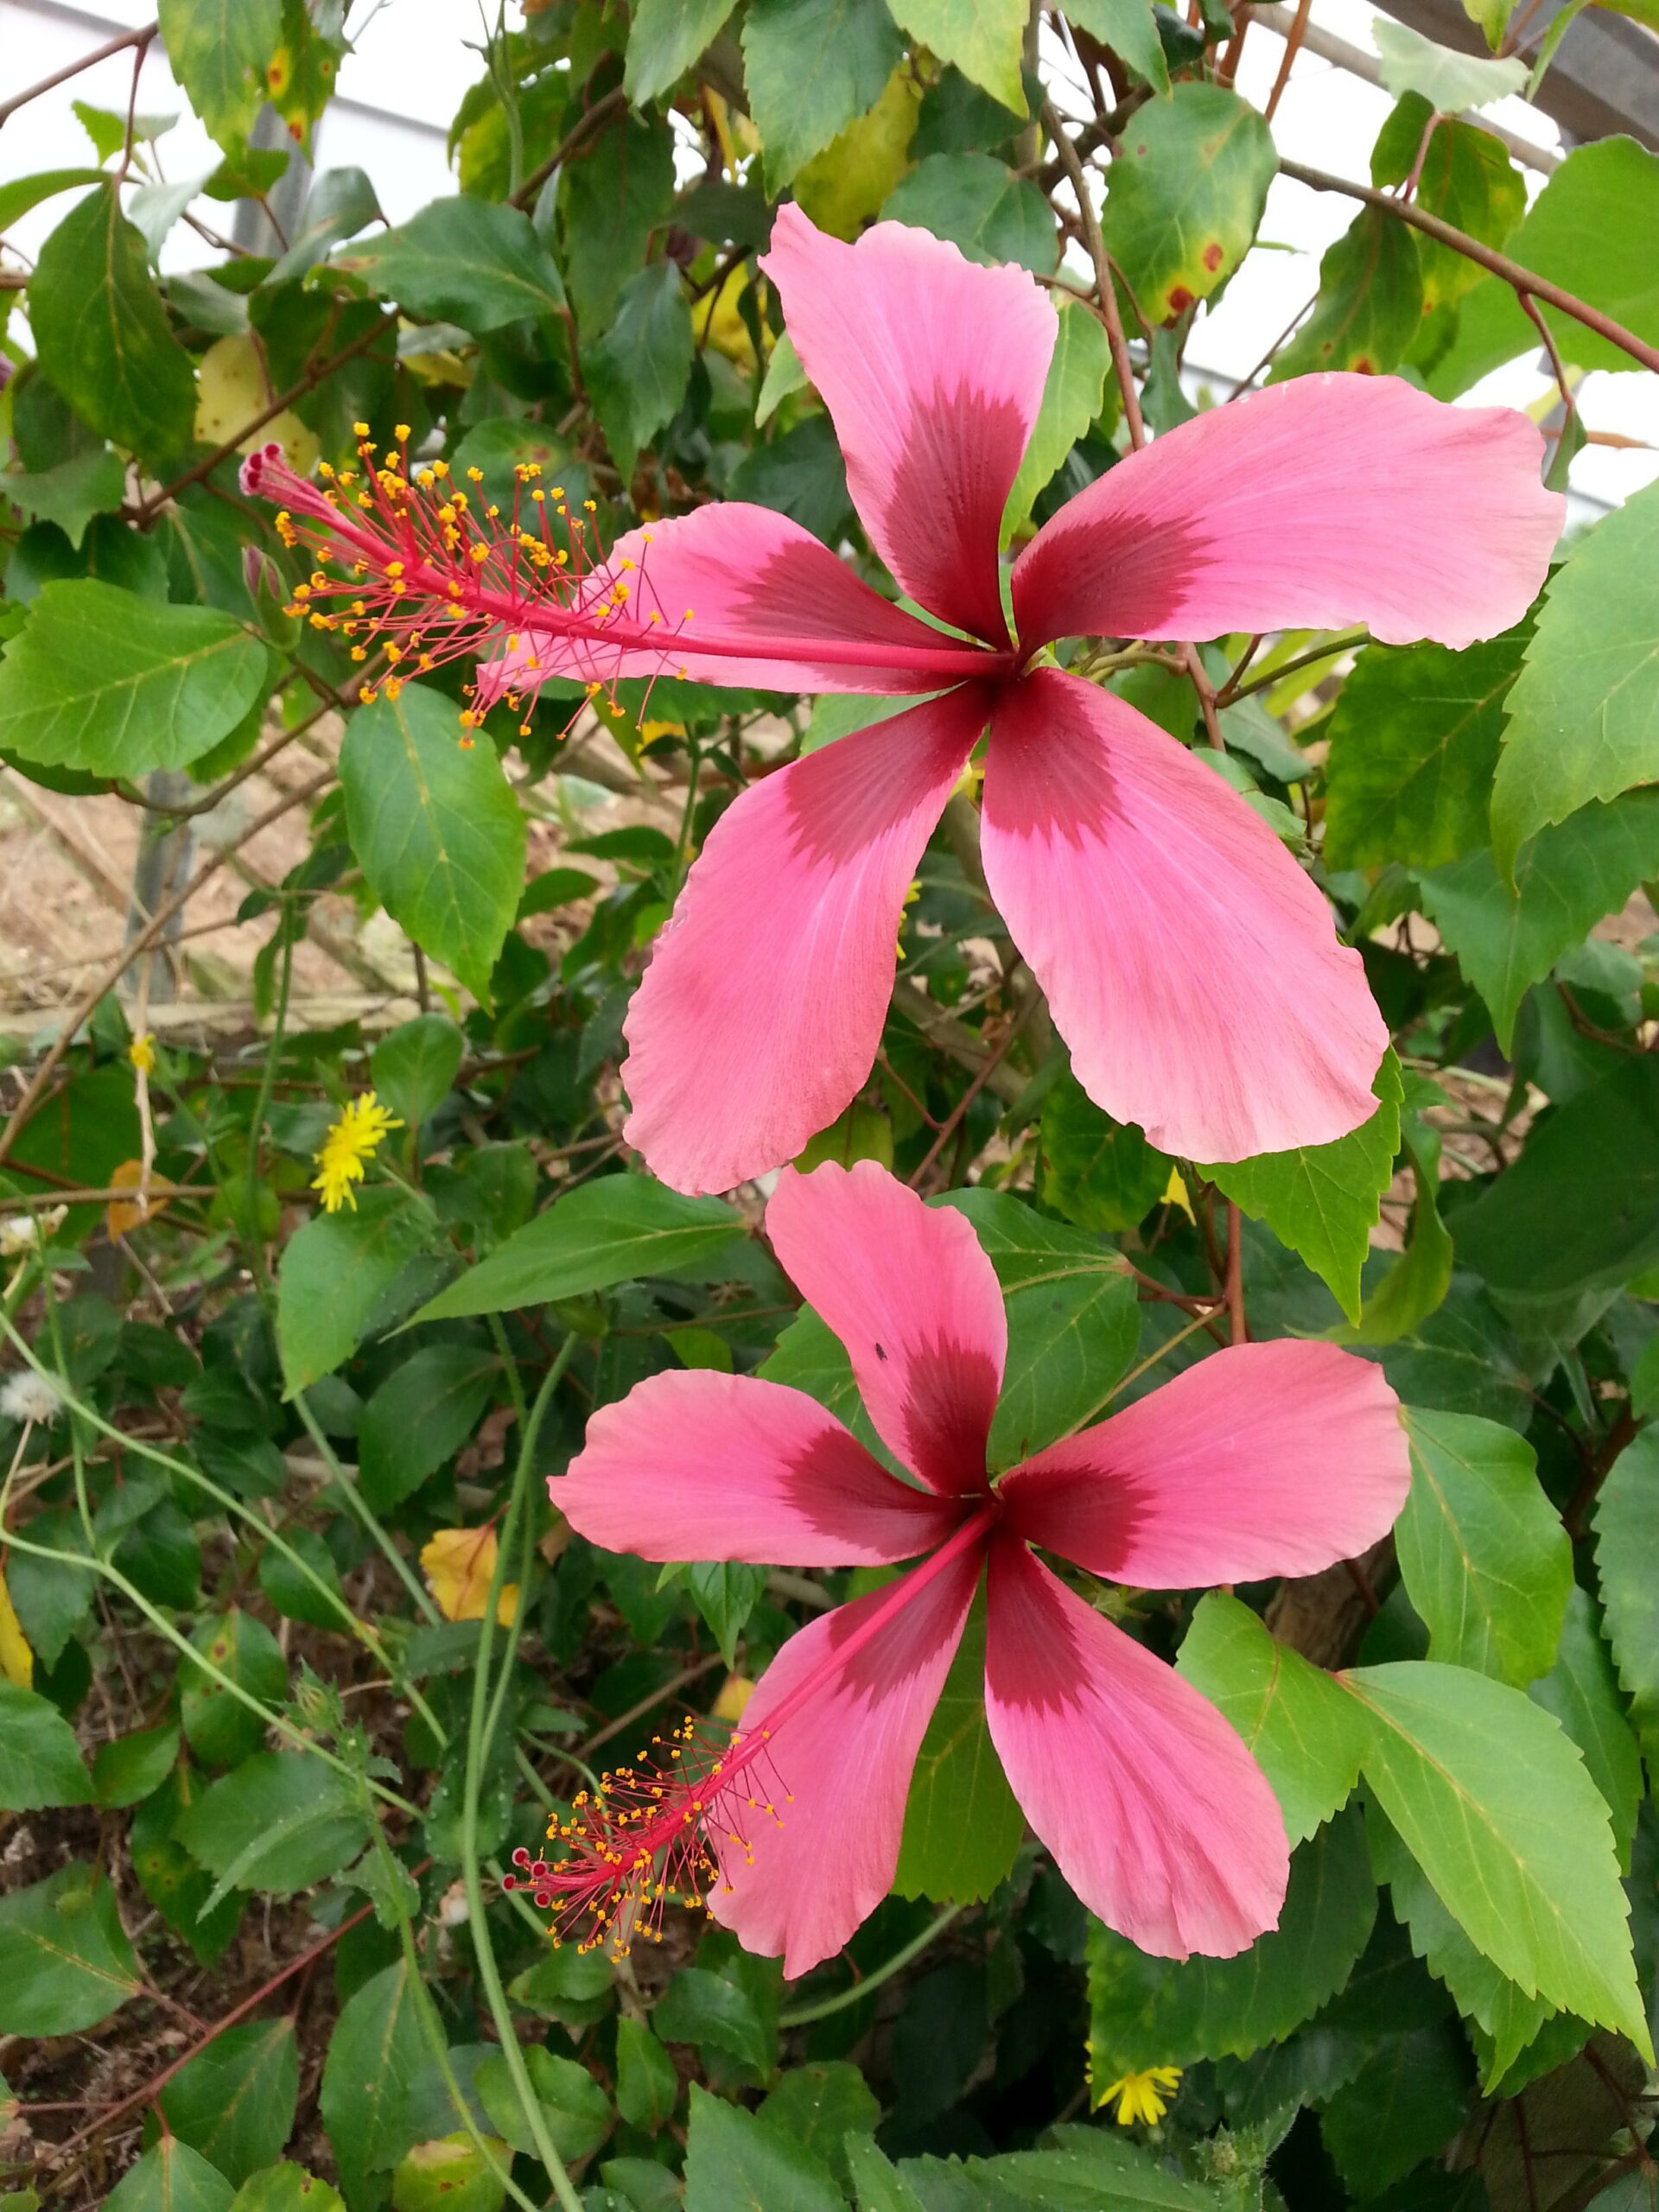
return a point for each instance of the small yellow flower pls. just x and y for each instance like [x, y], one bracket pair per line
[353, 1140]
[1144, 2096]
[142, 1052]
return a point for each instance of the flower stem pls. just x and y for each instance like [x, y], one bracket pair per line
[801, 2016]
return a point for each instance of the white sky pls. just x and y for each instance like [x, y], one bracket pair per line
[402, 83]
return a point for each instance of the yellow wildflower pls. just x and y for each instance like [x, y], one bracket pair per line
[1144, 2096]
[142, 1052]
[353, 1140]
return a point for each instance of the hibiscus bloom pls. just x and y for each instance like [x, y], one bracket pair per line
[1262, 1459]
[1190, 965]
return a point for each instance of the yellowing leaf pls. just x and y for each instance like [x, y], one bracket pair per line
[843, 188]
[720, 324]
[16, 1660]
[231, 389]
[459, 1564]
[119, 1216]
[734, 1694]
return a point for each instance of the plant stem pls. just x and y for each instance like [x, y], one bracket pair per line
[801, 2016]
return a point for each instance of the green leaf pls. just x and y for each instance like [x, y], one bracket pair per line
[336, 1272]
[40, 1759]
[1414, 741]
[1146, 2012]
[962, 1823]
[420, 1416]
[1582, 1692]
[1408, 2101]
[984, 39]
[436, 828]
[102, 336]
[1493, 1802]
[727, 1591]
[1305, 1735]
[475, 262]
[648, 2084]
[734, 2162]
[172, 2178]
[1583, 714]
[811, 66]
[415, 1064]
[1130, 28]
[1588, 231]
[636, 373]
[20, 193]
[1579, 1209]
[219, 51]
[1485, 1558]
[450, 2175]
[576, 2110]
[218, 1727]
[287, 2187]
[821, 2106]
[1185, 195]
[1100, 1173]
[715, 2011]
[376, 2051]
[980, 205]
[1466, 178]
[1324, 1200]
[1085, 2169]
[665, 37]
[1565, 879]
[234, 2101]
[103, 680]
[128, 1770]
[1627, 1524]
[1074, 396]
[607, 1232]
[1442, 78]
[296, 1594]
[72, 493]
[613, 195]
[1369, 307]
[65, 1961]
[280, 1821]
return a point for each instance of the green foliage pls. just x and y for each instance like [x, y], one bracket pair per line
[637, 372]
[279, 1821]
[462, 260]
[40, 1759]
[1186, 195]
[65, 1960]
[172, 2178]
[234, 2103]
[374, 2058]
[1370, 304]
[1626, 1514]
[962, 1823]
[810, 66]
[980, 205]
[666, 38]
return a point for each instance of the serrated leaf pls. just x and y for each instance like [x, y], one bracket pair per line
[811, 65]
[1582, 1692]
[65, 1960]
[1130, 28]
[733, 2160]
[72, 493]
[636, 373]
[1324, 1200]
[1485, 1558]
[220, 1728]
[1493, 1802]
[1406, 2101]
[983, 38]
[436, 828]
[1100, 1173]
[477, 262]
[1444, 79]
[420, 1416]
[106, 681]
[1583, 714]
[576, 2111]
[335, 1273]
[1146, 2012]
[962, 1823]
[278, 1822]
[980, 205]
[607, 1232]
[219, 51]
[40, 1759]
[415, 1064]
[1627, 1529]
[664, 38]
[647, 2083]
[613, 195]
[1185, 195]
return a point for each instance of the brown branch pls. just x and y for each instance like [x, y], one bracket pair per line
[1576, 1513]
[140, 38]
[1525, 280]
[1294, 39]
[586, 126]
[1095, 246]
[1237, 1325]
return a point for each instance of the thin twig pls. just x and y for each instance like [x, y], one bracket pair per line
[140, 38]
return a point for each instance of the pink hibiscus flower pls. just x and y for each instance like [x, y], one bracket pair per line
[1264, 1460]
[1190, 965]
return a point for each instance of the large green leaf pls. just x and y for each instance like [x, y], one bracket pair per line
[335, 1273]
[280, 1821]
[1074, 398]
[244, 1655]
[1186, 195]
[1508, 938]
[1493, 1802]
[172, 2178]
[980, 205]
[104, 681]
[72, 493]
[375, 2053]
[962, 1823]
[1582, 1691]
[1306, 1736]
[1324, 1200]
[1583, 714]
[811, 66]
[1627, 1532]
[607, 1232]
[40, 1759]
[422, 1413]
[733, 2161]
[613, 195]
[1100, 1173]
[1130, 28]
[234, 2101]
[219, 51]
[1079, 2170]
[1406, 2101]
[65, 1961]
[436, 827]
[664, 38]
[1590, 230]
[1370, 306]
[1414, 743]
[1579, 1209]
[1484, 1556]
[1465, 177]
[636, 373]
[983, 38]
[475, 262]
[1146, 2012]
[102, 336]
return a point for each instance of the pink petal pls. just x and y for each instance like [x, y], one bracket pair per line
[708, 1466]
[909, 1291]
[1190, 964]
[1271, 1458]
[769, 606]
[841, 1766]
[1155, 1813]
[762, 1007]
[932, 370]
[1327, 500]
